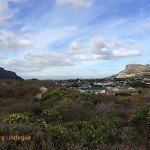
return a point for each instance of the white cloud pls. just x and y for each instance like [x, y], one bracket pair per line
[37, 61]
[98, 45]
[25, 43]
[5, 12]
[125, 53]
[76, 3]
[82, 57]
[90, 57]
[99, 49]
[116, 42]
[74, 46]
[17, 1]
[95, 49]
[43, 59]
[11, 41]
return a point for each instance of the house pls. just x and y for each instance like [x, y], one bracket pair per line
[96, 90]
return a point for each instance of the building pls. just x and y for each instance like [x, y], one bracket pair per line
[96, 90]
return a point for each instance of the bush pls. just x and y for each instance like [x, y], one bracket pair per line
[123, 94]
[140, 119]
[19, 118]
[52, 114]
[140, 91]
[39, 139]
[97, 131]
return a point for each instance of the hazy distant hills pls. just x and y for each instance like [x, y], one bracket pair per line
[5, 74]
[133, 70]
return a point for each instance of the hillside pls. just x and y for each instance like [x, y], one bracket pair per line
[132, 70]
[61, 119]
[5, 74]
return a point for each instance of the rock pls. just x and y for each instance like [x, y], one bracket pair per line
[43, 90]
[132, 70]
[131, 89]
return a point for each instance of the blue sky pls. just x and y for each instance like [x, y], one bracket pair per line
[60, 39]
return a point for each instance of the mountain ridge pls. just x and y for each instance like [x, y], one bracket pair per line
[10, 75]
[132, 70]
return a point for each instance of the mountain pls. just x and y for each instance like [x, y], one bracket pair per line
[132, 70]
[5, 74]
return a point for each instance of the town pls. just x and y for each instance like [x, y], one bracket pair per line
[131, 84]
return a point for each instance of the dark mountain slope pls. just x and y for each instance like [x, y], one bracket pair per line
[5, 74]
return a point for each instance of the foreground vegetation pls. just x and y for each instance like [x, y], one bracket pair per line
[68, 120]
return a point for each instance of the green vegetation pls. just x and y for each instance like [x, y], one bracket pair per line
[123, 94]
[70, 120]
[18, 118]
[139, 84]
[140, 119]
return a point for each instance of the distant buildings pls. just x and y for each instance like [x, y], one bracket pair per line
[96, 90]
[111, 85]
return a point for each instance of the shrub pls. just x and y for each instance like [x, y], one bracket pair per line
[123, 94]
[19, 118]
[52, 114]
[140, 91]
[76, 111]
[40, 140]
[140, 119]
[18, 91]
[97, 130]
[58, 131]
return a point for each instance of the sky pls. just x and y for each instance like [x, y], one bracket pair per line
[64, 39]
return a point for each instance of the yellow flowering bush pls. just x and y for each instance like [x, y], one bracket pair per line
[58, 131]
[18, 118]
[53, 112]
[97, 130]
[42, 123]
[54, 130]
